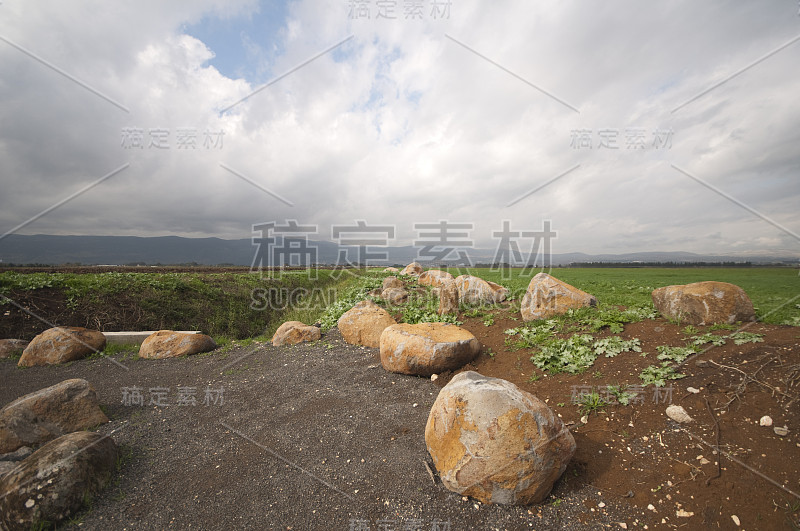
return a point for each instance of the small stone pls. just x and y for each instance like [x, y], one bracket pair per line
[766, 420]
[652, 508]
[783, 432]
[678, 414]
[681, 513]
[735, 520]
[601, 505]
[623, 525]
[704, 461]
[434, 377]
[693, 390]
[585, 419]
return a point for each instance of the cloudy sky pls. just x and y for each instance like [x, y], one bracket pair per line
[668, 126]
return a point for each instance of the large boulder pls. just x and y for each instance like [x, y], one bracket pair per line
[427, 348]
[62, 344]
[12, 347]
[703, 303]
[413, 269]
[494, 442]
[434, 277]
[391, 282]
[294, 332]
[364, 323]
[547, 296]
[49, 413]
[395, 296]
[448, 297]
[55, 481]
[475, 290]
[171, 344]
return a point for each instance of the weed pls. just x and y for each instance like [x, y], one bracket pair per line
[533, 334]
[597, 374]
[675, 354]
[533, 377]
[623, 397]
[740, 338]
[488, 320]
[708, 337]
[591, 402]
[722, 326]
[573, 355]
[658, 376]
[613, 345]
[690, 330]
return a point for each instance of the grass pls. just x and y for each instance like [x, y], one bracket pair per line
[770, 289]
[246, 305]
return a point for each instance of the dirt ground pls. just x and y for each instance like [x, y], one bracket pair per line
[320, 436]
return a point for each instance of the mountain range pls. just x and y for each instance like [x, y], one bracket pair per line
[169, 250]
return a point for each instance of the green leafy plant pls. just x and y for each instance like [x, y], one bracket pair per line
[591, 402]
[530, 335]
[573, 355]
[722, 326]
[488, 320]
[613, 345]
[740, 338]
[623, 396]
[690, 330]
[658, 376]
[708, 337]
[675, 354]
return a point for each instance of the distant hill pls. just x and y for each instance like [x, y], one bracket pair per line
[168, 250]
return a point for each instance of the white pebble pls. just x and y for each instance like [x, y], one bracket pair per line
[735, 519]
[766, 420]
[678, 414]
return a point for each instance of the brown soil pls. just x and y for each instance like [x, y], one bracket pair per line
[319, 436]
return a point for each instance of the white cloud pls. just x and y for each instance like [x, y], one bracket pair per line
[403, 124]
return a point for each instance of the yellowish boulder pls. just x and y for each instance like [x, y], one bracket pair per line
[434, 277]
[62, 344]
[364, 323]
[413, 269]
[294, 332]
[704, 303]
[494, 442]
[427, 348]
[170, 344]
[547, 296]
[475, 290]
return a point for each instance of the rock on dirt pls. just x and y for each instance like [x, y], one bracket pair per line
[426, 348]
[448, 298]
[704, 303]
[391, 282]
[475, 290]
[413, 269]
[51, 412]
[62, 344]
[294, 332]
[547, 296]
[394, 296]
[434, 277]
[494, 442]
[54, 482]
[171, 344]
[364, 323]
[678, 414]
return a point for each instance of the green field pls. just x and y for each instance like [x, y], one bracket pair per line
[243, 305]
[775, 292]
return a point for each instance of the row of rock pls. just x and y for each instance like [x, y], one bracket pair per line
[63, 344]
[53, 482]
